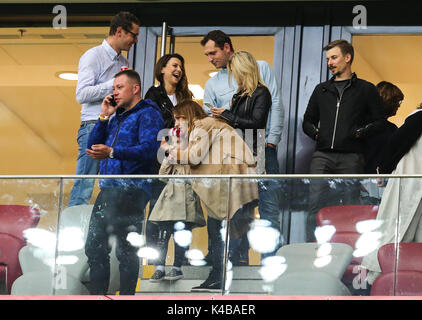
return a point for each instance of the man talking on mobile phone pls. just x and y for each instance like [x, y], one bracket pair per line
[126, 144]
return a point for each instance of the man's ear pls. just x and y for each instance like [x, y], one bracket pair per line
[348, 57]
[226, 47]
[136, 89]
[119, 31]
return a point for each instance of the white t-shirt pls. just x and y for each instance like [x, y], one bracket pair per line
[173, 99]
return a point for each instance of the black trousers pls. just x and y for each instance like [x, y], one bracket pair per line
[216, 243]
[152, 232]
[323, 192]
[165, 230]
[117, 212]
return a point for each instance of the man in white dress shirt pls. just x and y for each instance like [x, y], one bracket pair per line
[96, 70]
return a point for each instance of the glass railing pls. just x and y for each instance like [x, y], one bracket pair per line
[282, 235]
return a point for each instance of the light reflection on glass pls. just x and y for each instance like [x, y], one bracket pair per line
[64, 260]
[71, 239]
[324, 250]
[45, 256]
[367, 242]
[229, 279]
[183, 238]
[40, 238]
[322, 261]
[368, 225]
[263, 238]
[179, 225]
[272, 268]
[135, 239]
[148, 253]
[196, 257]
[325, 233]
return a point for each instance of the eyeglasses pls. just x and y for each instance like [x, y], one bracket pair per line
[135, 35]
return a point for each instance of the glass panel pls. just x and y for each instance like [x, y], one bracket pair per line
[185, 238]
[28, 225]
[48, 253]
[328, 253]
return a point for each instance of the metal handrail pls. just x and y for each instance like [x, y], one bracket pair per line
[222, 176]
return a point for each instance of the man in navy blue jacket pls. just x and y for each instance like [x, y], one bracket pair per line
[125, 140]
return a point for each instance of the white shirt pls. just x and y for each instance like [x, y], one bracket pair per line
[96, 70]
[173, 99]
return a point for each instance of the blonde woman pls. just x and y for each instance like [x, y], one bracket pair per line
[249, 109]
[251, 103]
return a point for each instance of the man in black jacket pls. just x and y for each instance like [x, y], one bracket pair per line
[340, 113]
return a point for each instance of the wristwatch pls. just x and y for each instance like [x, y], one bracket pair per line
[111, 155]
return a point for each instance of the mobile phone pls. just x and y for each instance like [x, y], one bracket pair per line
[113, 102]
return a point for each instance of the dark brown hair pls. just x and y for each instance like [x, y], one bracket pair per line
[345, 48]
[391, 97]
[123, 19]
[182, 89]
[219, 37]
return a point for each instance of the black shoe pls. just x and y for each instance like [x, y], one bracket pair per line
[174, 274]
[212, 284]
[157, 276]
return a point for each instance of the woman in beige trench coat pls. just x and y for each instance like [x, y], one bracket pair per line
[208, 146]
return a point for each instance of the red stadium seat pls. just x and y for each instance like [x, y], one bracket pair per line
[14, 220]
[344, 219]
[401, 270]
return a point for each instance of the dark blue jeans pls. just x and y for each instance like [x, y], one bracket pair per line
[82, 188]
[270, 204]
[116, 213]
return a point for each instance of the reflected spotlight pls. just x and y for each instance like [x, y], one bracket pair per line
[322, 261]
[135, 239]
[263, 238]
[183, 238]
[325, 233]
[148, 253]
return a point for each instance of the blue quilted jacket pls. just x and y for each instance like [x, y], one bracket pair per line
[133, 136]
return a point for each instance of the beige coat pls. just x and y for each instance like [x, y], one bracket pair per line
[220, 196]
[399, 205]
[208, 154]
[177, 201]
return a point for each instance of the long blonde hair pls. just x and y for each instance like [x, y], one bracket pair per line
[244, 68]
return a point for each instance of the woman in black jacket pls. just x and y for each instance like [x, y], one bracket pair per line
[249, 109]
[251, 103]
[173, 88]
[375, 146]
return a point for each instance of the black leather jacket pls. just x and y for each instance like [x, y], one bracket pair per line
[249, 112]
[159, 96]
[343, 121]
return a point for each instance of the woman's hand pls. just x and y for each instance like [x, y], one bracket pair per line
[216, 112]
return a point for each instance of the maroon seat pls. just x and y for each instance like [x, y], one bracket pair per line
[14, 220]
[344, 219]
[401, 270]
